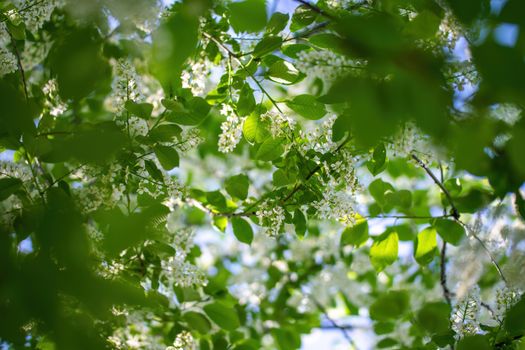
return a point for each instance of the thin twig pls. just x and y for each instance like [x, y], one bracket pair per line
[19, 63]
[492, 258]
[455, 212]
[443, 273]
[333, 322]
[419, 217]
[315, 8]
[311, 173]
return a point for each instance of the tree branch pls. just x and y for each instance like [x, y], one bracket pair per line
[443, 273]
[334, 324]
[19, 63]
[455, 212]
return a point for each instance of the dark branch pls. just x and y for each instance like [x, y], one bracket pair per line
[443, 273]
[455, 212]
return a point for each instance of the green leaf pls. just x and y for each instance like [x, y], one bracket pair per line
[355, 235]
[401, 199]
[220, 222]
[16, 117]
[474, 342]
[384, 250]
[277, 22]
[378, 189]
[141, 110]
[302, 16]
[270, 149]
[248, 15]
[267, 45]
[425, 246]
[216, 198]
[286, 339]
[78, 64]
[451, 231]
[327, 41]
[390, 306]
[246, 102]
[197, 321]
[434, 317]
[253, 129]
[168, 156]
[242, 230]
[514, 320]
[195, 111]
[237, 186]
[9, 186]
[152, 170]
[299, 221]
[173, 42]
[165, 132]
[378, 162]
[283, 72]
[223, 315]
[307, 106]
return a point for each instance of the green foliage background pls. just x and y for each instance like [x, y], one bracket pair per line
[129, 125]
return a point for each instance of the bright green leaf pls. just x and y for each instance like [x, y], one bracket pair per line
[384, 250]
[242, 230]
[425, 246]
[307, 106]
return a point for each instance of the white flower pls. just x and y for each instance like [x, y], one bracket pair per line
[195, 77]
[280, 124]
[337, 205]
[8, 62]
[319, 139]
[36, 13]
[183, 341]
[466, 313]
[126, 85]
[325, 64]
[53, 102]
[271, 218]
[231, 130]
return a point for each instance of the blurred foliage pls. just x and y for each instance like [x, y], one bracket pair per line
[125, 126]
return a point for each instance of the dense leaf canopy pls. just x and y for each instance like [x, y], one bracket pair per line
[232, 174]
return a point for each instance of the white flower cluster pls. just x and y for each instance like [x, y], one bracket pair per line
[183, 341]
[325, 64]
[466, 313]
[271, 218]
[195, 77]
[509, 113]
[8, 62]
[319, 139]
[248, 286]
[36, 13]
[137, 333]
[35, 52]
[514, 269]
[20, 171]
[137, 126]
[176, 269]
[53, 101]
[280, 124]
[125, 86]
[4, 35]
[190, 139]
[231, 129]
[336, 205]
[410, 139]
[505, 299]
[171, 187]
